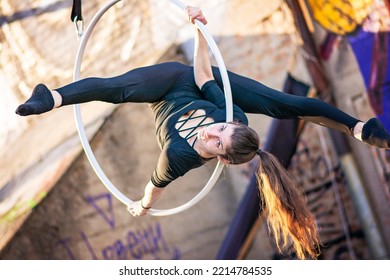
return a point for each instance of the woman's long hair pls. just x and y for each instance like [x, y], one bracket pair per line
[288, 216]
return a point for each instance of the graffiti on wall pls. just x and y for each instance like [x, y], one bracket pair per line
[340, 17]
[142, 243]
[21, 208]
[365, 24]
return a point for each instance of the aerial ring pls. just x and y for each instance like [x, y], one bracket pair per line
[85, 142]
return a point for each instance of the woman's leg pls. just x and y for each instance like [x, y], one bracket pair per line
[254, 97]
[145, 84]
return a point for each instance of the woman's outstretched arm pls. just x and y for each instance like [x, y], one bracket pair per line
[141, 207]
[202, 65]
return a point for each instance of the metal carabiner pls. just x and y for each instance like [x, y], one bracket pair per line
[79, 24]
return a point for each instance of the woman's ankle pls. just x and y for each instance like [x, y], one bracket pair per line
[357, 130]
[57, 99]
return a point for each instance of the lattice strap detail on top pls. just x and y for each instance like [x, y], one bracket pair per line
[192, 130]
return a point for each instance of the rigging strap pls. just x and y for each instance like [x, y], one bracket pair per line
[76, 16]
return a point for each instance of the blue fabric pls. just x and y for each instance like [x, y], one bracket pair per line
[372, 53]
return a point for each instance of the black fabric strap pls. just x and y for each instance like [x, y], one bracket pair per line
[76, 11]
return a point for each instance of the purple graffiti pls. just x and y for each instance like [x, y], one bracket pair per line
[137, 245]
[108, 215]
[88, 245]
[65, 244]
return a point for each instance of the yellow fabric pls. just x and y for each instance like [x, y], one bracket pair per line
[340, 16]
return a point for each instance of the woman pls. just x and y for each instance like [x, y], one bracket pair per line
[189, 111]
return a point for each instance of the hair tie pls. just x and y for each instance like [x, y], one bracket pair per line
[259, 152]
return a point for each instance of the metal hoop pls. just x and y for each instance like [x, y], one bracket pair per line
[85, 142]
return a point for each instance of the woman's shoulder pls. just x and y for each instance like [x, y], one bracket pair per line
[178, 146]
[181, 156]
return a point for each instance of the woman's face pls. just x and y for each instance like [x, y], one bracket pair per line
[214, 139]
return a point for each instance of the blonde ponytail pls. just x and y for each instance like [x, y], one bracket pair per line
[288, 216]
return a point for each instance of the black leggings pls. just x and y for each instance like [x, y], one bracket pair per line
[150, 84]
